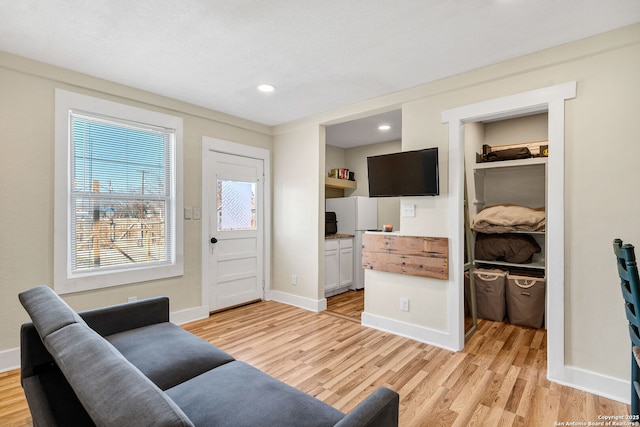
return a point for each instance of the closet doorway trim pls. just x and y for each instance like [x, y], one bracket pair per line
[551, 100]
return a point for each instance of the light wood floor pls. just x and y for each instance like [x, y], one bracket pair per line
[348, 305]
[499, 378]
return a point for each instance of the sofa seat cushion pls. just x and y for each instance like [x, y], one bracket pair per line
[237, 394]
[167, 354]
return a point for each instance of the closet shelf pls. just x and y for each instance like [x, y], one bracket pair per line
[539, 233]
[511, 163]
[534, 265]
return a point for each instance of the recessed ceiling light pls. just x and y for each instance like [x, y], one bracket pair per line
[266, 87]
[384, 127]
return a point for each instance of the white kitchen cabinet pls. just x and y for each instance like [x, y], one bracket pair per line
[346, 262]
[331, 264]
[338, 265]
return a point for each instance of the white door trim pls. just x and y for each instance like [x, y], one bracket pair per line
[549, 99]
[234, 148]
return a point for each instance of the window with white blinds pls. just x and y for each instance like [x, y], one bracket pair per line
[121, 194]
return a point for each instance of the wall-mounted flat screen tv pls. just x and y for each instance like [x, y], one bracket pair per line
[408, 173]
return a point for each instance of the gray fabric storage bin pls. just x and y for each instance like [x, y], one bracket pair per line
[490, 287]
[526, 300]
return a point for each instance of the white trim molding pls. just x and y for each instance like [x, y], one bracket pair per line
[297, 301]
[594, 383]
[191, 314]
[408, 330]
[234, 148]
[9, 359]
[65, 280]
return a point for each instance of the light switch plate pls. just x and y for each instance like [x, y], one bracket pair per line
[408, 211]
[188, 213]
[197, 213]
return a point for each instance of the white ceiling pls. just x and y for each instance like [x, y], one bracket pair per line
[365, 131]
[321, 54]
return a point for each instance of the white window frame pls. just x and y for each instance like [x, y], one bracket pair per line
[66, 281]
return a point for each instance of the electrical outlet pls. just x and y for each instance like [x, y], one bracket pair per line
[404, 304]
[294, 279]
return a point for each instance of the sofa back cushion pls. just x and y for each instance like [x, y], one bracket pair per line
[47, 310]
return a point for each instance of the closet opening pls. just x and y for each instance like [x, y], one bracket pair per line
[505, 203]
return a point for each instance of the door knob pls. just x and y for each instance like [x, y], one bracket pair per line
[214, 240]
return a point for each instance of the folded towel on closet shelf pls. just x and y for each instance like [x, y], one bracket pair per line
[515, 248]
[509, 218]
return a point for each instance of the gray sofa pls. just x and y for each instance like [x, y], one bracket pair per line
[127, 365]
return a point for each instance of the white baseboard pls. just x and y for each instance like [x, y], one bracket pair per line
[297, 301]
[595, 383]
[409, 330]
[9, 359]
[189, 315]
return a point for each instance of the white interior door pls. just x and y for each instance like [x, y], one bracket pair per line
[235, 187]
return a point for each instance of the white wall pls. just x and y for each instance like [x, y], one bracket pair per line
[601, 174]
[513, 131]
[26, 188]
[298, 217]
[335, 157]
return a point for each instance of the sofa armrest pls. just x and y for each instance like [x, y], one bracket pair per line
[41, 414]
[380, 408]
[131, 315]
[33, 354]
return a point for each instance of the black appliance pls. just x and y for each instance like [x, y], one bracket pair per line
[330, 223]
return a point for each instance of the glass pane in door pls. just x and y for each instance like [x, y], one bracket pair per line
[236, 205]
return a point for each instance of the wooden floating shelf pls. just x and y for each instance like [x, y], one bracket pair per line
[411, 255]
[339, 183]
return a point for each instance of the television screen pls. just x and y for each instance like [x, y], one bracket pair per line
[408, 173]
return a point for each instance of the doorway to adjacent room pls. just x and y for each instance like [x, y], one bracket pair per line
[347, 305]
